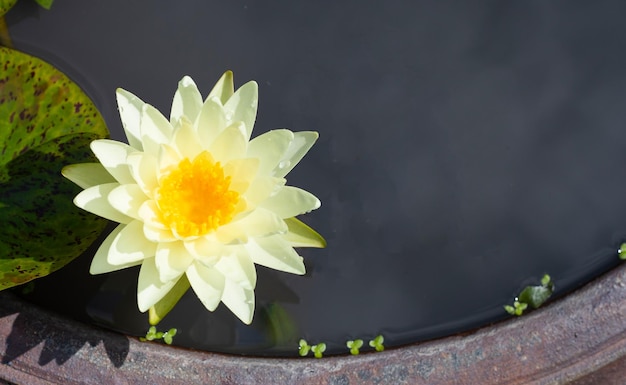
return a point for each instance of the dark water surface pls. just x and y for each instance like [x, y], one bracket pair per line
[465, 150]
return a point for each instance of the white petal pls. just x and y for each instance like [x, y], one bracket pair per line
[172, 259]
[130, 245]
[186, 140]
[130, 107]
[87, 174]
[299, 146]
[113, 156]
[231, 143]
[291, 201]
[150, 289]
[270, 148]
[187, 100]
[239, 300]
[258, 223]
[274, 252]
[238, 268]
[224, 88]
[99, 264]
[242, 106]
[95, 200]
[144, 168]
[155, 129]
[207, 283]
[127, 199]
[210, 122]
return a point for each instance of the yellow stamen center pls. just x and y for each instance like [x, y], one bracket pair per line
[194, 197]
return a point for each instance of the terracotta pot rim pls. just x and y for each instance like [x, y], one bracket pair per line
[581, 335]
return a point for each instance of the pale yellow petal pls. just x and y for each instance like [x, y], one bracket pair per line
[100, 264]
[157, 234]
[291, 201]
[187, 101]
[299, 146]
[155, 129]
[131, 245]
[95, 200]
[210, 122]
[224, 88]
[130, 107]
[238, 268]
[168, 158]
[241, 173]
[144, 168]
[207, 283]
[127, 199]
[269, 148]
[242, 106]
[150, 289]
[186, 140]
[231, 143]
[149, 214]
[258, 223]
[172, 259]
[206, 249]
[87, 174]
[262, 188]
[112, 155]
[239, 300]
[276, 253]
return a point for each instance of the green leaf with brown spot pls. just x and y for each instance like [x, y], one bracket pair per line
[46, 122]
[45, 3]
[5, 5]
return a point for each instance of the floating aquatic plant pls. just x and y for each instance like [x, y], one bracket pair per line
[377, 343]
[354, 346]
[533, 296]
[198, 203]
[47, 122]
[303, 348]
[622, 252]
[318, 350]
[153, 335]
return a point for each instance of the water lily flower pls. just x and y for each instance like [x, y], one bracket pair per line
[196, 200]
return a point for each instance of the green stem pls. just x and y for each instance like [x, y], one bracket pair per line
[5, 38]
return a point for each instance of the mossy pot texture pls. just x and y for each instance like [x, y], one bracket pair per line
[579, 339]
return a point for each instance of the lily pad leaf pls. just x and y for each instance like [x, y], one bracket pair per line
[5, 5]
[535, 296]
[46, 122]
[45, 3]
